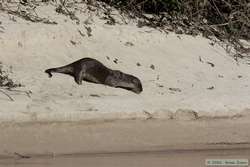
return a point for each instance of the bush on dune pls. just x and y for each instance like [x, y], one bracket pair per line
[5, 81]
[226, 19]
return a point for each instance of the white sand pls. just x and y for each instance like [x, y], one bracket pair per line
[30, 48]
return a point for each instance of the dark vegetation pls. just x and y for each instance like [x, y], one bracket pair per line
[5, 81]
[8, 85]
[226, 20]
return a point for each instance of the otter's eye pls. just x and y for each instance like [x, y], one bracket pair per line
[135, 81]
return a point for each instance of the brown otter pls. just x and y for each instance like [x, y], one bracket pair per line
[91, 70]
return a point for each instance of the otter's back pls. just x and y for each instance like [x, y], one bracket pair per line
[94, 70]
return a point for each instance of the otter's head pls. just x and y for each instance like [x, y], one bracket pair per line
[127, 81]
[137, 88]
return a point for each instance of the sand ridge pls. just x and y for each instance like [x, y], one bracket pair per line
[178, 73]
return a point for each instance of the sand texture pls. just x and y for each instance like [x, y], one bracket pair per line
[183, 76]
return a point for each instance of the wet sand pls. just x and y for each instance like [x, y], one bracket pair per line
[124, 142]
[180, 158]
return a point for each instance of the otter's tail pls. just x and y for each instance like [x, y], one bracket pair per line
[65, 70]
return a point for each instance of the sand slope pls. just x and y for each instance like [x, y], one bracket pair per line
[181, 63]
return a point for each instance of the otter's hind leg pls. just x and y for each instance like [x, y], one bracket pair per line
[79, 77]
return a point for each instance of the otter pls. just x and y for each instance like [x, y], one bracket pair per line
[91, 70]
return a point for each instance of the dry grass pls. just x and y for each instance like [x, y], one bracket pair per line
[227, 20]
[5, 81]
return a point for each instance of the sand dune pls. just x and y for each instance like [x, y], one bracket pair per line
[179, 73]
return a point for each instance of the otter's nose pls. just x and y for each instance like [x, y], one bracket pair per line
[138, 90]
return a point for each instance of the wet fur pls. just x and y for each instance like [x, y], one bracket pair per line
[92, 70]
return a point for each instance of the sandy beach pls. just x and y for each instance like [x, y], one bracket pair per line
[194, 104]
[175, 71]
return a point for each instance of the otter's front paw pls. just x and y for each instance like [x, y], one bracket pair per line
[50, 75]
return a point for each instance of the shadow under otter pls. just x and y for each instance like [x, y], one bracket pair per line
[92, 70]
